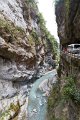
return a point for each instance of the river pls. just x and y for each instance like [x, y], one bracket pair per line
[37, 101]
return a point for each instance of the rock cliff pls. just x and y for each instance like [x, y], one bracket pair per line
[24, 53]
[67, 17]
[64, 101]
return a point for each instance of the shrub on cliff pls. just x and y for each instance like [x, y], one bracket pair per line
[70, 90]
[51, 41]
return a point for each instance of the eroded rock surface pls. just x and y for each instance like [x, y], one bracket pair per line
[23, 53]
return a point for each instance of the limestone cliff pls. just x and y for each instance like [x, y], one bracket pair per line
[24, 53]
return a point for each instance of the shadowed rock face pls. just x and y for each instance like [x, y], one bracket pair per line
[67, 17]
[68, 20]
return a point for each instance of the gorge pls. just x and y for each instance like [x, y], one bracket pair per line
[34, 83]
[64, 101]
[27, 52]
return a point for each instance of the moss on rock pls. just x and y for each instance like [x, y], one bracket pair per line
[7, 115]
[9, 32]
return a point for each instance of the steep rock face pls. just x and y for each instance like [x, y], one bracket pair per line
[21, 42]
[67, 16]
[23, 53]
[65, 105]
[12, 10]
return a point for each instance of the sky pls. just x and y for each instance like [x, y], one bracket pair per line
[47, 8]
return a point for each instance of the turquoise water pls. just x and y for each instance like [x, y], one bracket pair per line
[37, 106]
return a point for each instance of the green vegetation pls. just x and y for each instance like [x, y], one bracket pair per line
[35, 37]
[42, 23]
[61, 95]
[54, 43]
[54, 94]
[7, 113]
[14, 107]
[51, 42]
[53, 101]
[9, 32]
[67, 3]
[70, 90]
[31, 6]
